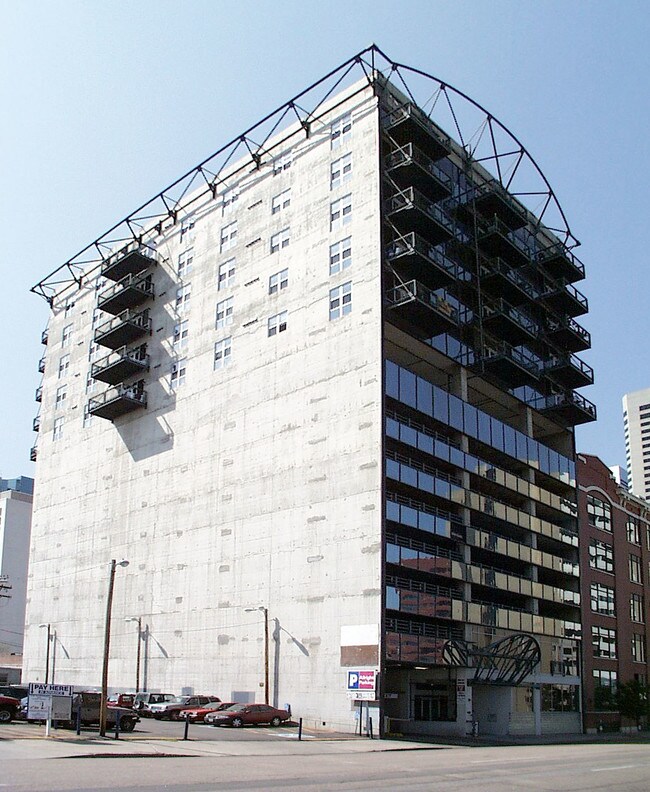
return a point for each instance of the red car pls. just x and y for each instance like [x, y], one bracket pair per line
[197, 714]
[9, 708]
[241, 714]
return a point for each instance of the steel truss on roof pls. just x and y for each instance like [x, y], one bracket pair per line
[483, 138]
[507, 661]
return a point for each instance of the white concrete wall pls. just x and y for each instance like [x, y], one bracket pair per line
[254, 485]
[15, 526]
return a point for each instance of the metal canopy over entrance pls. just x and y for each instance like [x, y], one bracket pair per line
[507, 661]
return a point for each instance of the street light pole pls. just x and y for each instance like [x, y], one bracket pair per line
[47, 652]
[137, 619]
[107, 644]
[265, 611]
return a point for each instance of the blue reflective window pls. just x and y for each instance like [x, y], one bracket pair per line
[427, 522]
[522, 446]
[409, 516]
[392, 553]
[509, 437]
[408, 435]
[392, 511]
[425, 443]
[425, 482]
[441, 405]
[392, 469]
[392, 380]
[443, 489]
[425, 396]
[408, 475]
[484, 428]
[456, 412]
[408, 554]
[407, 387]
[392, 428]
[497, 434]
[392, 598]
[443, 527]
[470, 420]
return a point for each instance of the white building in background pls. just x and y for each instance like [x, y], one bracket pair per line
[15, 527]
[326, 378]
[636, 424]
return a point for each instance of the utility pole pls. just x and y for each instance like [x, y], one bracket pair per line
[107, 644]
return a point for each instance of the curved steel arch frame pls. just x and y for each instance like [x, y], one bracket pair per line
[507, 661]
[484, 139]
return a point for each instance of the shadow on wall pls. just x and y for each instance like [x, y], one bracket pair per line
[277, 630]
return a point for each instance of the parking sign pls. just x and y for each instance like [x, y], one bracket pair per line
[362, 680]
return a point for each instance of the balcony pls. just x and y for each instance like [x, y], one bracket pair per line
[429, 312]
[501, 279]
[439, 605]
[120, 365]
[512, 366]
[501, 319]
[569, 371]
[415, 258]
[408, 123]
[36, 424]
[560, 263]
[570, 409]
[33, 453]
[564, 298]
[131, 260]
[492, 200]
[568, 334]
[498, 240]
[409, 166]
[118, 401]
[123, 329]
[127, 293]
[38, 395]
[410, 210]
[41, 365]
[45, 337]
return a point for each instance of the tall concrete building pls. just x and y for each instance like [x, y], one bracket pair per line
[325, 383]
[636, 424]
[15, 526]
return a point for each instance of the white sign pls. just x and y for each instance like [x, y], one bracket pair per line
[38, 707]
[61, 708]
[41, 689]
[362, 695]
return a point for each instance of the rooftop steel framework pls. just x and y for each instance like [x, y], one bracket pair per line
[483, 138]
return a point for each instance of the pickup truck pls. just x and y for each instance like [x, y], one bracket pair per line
[9, 707]
[90, 703]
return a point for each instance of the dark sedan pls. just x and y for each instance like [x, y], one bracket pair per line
[242, 714]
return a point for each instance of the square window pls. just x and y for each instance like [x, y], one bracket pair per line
[341, 300]
[340, 255]
[278, 281]
[222, 353]
[66, 335]
[93, 351]
[280, 240]
[341, 130]
[228, 236]
[181, 333]
[183, 295]
[230, 198]
[602, 599]
[277, 323]
[226, 274]
[64, 365]
[281, 201]
[178, 373]
[341, 171]
[282, 163]
[187, 229]
[341, 212]
[185, 263]
[224, 313]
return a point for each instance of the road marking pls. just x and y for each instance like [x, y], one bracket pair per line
[490, 761]
[618, 767]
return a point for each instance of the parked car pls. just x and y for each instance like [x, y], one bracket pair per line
[14, 691]
[89, 704]
[198, 714]
[241, 714]
[9, 707]
[170, 709]
[121, 700]
[143, 702]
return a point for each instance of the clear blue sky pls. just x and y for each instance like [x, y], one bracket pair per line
[105, 103]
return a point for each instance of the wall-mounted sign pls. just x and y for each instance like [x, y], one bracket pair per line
[362, 680]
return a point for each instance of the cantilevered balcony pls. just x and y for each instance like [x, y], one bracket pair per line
[41, 365]
[570, 409]
[38, 396]
[121, 364]
[569, 371]
[502, 320]
[33, 453]
[499, 278]
[565, 299]
[129, 261]
[428, 312]
[561, 264]
[118, 401]
[416, 258]
[567, 333]
[407, 123]
[36, 424]
[409, 166]
[130, 292]
[492, 200]
[514, 367]
[496, 239]
[44, 337]
[123, 329]
[410, 210]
